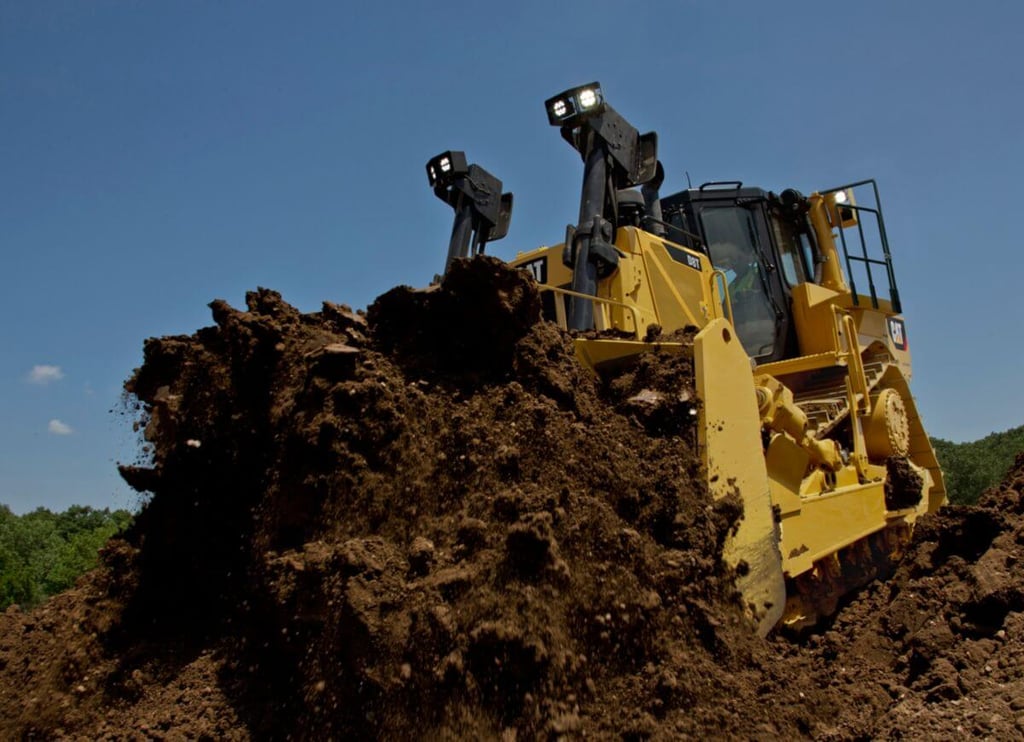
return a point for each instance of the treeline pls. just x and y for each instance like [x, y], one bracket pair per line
[43, 553]
[971, 468]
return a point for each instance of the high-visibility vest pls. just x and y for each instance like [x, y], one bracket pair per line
[745, 281]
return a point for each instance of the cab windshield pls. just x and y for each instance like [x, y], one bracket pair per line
[732, 243]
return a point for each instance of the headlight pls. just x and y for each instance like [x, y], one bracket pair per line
[574, 105]
[588, 98]
[445, 167]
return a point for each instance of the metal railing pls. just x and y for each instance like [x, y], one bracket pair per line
[602, 319]
[863, 257]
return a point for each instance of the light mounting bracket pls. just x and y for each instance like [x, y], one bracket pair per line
[482, 211]
[615, 156]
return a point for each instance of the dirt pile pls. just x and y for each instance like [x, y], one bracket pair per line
[429, 521]
[938, 649]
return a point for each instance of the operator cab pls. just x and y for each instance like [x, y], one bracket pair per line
[762, 244]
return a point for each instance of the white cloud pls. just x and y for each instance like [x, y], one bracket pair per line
[56, 427]
[45, 374]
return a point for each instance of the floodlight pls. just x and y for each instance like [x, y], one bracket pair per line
[441, 170]
[575, 105]
[588, 97]
[482, 211]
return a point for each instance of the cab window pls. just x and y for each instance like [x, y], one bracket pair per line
[732, 243]
[795, 250]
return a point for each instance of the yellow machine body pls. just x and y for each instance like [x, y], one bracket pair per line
[825, 447]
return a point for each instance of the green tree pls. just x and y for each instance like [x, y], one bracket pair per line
[43, 553]
[15, 583]
[971, 468]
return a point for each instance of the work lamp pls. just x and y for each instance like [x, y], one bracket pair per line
[444, 168]
[575, 105]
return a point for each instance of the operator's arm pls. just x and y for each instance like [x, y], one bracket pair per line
[745, 279]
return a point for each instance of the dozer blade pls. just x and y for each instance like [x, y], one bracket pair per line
[730, 439]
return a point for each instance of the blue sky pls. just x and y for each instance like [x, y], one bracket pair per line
[155, 156]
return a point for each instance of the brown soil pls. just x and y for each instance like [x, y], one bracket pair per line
[429, 522]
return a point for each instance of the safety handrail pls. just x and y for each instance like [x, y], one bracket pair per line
[718, 273]
[599, 299]
[886, 261]
[698, 243]
[861, 401]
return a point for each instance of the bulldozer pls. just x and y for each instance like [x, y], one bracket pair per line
[804, 410]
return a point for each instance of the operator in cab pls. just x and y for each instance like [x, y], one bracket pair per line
[740, 267]
[753, 317]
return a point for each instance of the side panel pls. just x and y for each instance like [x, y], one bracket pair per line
[815, 318]
[679, 286]
[828, 522]
[657, 282]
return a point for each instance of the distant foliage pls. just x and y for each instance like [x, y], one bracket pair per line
[43, 553]
[971, 468]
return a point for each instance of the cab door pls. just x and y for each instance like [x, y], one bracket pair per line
[740, 245]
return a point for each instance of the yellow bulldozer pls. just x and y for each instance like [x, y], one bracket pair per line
[804, 407]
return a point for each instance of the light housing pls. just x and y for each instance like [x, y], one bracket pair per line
[447, 166]
[575, 105]
[482, 211]
[843, 211]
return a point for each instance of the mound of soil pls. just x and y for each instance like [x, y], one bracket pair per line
[428, 521]
[936, 651]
